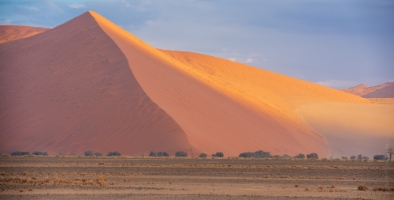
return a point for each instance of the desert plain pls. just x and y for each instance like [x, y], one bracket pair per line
[186, 178]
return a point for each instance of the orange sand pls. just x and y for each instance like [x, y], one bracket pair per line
[99, 87]
[12, 32]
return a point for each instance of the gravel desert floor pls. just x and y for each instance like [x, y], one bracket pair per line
[173, 178]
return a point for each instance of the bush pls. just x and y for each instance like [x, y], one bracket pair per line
[152, 154]
[344, 158]
[113, 153]
[362, 187]
[180, 154]
[301, 156]
[286, 156]
[163, 154]
[88, 153]
[18, 153]
[203, 155]
[360, 157]
[380, 157]
[353, 157]
[39, 153]
[365, 158]
[257, 154]
[218, 154]
[98, 154]
[312, 156]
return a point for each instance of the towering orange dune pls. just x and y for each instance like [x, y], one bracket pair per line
[89, 84]
[385, 90]
[11, 32]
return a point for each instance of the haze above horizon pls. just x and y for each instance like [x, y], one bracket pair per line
[334, 43]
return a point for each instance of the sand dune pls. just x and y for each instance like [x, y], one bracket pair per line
[99, 87]
[385, 90]
[12, 32]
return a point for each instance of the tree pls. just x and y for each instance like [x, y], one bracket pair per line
[162, 154]
[203, 155]
[312, 156]
[365, 158]
[152, 153]
[218, 154]
[344, 157]
[353, 157]
[18, 153]
[39, 153]
[390, 151]
[180, 154]
[257, 154]
[360, 157]
[113, 153]
[380, 157]
[88, 153]
[301, 156]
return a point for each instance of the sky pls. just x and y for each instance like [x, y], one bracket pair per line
[337, 43]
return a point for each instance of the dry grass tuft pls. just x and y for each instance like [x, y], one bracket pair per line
[30, 189]
[383, 189]
[362, 187]
[20, 190]
[296, 185]
[307, 189]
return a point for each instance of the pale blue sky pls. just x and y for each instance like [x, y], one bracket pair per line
[338, 43]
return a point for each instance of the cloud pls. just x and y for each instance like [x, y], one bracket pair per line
[6, 21]
[76, 6]
[249, 60]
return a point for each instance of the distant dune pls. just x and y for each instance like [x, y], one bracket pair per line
[12, 32]
[90, 85]
[385, 90]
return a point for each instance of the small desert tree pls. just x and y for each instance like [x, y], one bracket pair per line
[98, 154]
[113, 153]
[300, 156]
[353, 157]
[88, 153]
[380, 157]
[218, 154]
[162, 154]
[180, 154]
[203, 155]
[152, 154]
[390, 151]
[312, 156]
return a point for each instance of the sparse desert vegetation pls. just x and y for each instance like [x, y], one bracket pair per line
[191, 178]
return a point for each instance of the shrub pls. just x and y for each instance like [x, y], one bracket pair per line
[88, 153]
[98, 154]
[353, 157]
[218, 154]
[203, 155]
[365, 158]
[302, 156]
[152, 153]
[362, 187]
[257, 154]
[344, 157]
[113, 153]
[180, 154]
[18, 153]
[286, 156]
[360, 157]
[380, 157]
[312, 156]
[39, 153]
[163, 154]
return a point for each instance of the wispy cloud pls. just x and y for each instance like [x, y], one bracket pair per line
[76, 6]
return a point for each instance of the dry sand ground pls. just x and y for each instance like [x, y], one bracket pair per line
[147, 178]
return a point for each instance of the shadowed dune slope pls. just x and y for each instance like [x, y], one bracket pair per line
[13, 32]
[70, 89]
[385, 90]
